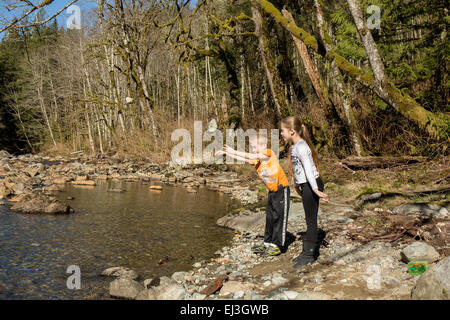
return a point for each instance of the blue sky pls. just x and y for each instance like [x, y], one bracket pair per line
[84, 5]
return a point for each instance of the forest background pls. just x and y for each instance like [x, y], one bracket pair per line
[367, 77]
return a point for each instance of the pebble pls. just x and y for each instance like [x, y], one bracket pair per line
[291, 295]
[277, 279]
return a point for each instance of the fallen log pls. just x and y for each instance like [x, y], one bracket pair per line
[366, 163]
[362, 199]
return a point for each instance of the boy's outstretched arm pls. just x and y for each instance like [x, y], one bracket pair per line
[251, 156]
[234, 156]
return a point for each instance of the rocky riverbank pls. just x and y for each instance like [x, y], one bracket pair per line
[346, 269]
[364, 255]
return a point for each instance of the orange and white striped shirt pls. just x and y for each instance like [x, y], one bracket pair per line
[270, 171]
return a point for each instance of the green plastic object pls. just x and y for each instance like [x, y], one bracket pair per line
[417, 267]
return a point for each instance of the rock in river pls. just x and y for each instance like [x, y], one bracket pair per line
[253, 222]
[41, 204]
[120, 272]
[125, 288]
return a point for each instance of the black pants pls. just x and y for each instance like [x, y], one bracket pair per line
[311, 205]
[277, 216]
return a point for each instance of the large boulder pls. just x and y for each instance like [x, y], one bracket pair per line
[125, 288]
[251, 222]
[164, 288]
[173, 291]
[434, 283]
[419, 251]
[248, 221]
[57, 207]
[41, 204]
[146, 294]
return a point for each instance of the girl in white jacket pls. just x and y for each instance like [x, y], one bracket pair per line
[304, 167]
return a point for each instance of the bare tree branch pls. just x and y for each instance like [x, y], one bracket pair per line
[44, 3]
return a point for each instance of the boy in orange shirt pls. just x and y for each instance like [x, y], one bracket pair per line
[269, 170]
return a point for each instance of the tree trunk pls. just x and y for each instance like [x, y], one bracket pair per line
[311, 70]
[17, 111]
[55, 101]
[100, 141]
[250, 92]
[178, 95]
[44, 111]
[369, 44]
[341, 89]
[269, 64]
[88, 122]
[436, 126]
[242, 86]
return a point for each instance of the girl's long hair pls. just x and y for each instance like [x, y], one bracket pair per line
[294, 123]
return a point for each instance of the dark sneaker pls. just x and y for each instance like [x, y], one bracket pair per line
[259, 249]
[271, 251]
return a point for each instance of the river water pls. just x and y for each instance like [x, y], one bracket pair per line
[134, 229]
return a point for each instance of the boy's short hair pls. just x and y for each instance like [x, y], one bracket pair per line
[261, 138]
